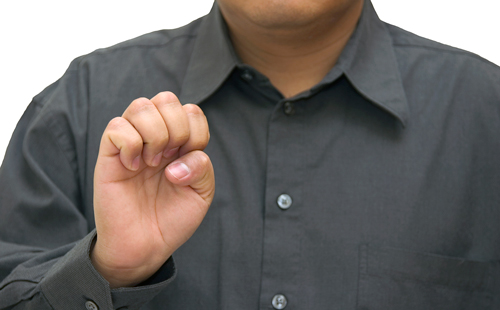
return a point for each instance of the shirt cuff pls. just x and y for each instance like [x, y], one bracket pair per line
[134, 297]
[73, 283]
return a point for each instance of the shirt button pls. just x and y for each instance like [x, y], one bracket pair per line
[288, 108]
[279, 301]
[247, 76]
[90, 305]
[284, 201]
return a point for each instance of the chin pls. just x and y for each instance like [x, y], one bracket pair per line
[275, 14]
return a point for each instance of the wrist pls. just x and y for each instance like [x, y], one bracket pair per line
[117, 276]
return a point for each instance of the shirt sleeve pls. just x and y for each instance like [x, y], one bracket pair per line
[46, 227]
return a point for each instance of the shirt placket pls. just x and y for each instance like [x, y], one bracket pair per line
[280, 287]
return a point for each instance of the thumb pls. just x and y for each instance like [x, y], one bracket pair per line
[193, 169]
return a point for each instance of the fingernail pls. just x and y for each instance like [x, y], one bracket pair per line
[157, 159]
[178, 170]
[170, 153]
[136, 162]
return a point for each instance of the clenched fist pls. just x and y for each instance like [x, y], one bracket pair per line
[153, 185]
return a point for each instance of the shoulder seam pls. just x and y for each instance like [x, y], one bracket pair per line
[451, 50]
[156, 45]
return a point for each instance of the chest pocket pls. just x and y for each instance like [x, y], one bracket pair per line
[397, 279]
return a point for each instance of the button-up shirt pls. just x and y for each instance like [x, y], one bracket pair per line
[378, 188]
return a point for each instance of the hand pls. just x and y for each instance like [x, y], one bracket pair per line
[152, 187]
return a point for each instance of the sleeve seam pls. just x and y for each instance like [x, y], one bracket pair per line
[55, 134]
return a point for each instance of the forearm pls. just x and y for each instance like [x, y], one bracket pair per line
[65, 278]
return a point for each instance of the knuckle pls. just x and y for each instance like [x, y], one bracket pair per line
[180, 138]
[160, 139]
[192, 109]
[133, 142]
[117, 123]
[120, 130]
[203, 159]
[140, 105]
[199, 144]
[166, 97]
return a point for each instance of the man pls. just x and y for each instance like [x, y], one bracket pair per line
[356, 167]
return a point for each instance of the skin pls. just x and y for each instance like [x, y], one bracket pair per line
[294, 43]
[144, 211]
[153, 184]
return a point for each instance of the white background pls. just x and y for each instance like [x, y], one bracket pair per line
[39, 38]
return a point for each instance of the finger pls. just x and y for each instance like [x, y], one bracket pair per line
[194, 169]
[175, 118]
[148, 122]
[198, 130]
[120, 137]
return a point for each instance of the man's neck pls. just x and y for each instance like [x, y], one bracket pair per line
[294, 59]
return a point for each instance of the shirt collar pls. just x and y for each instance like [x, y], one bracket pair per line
[212, 60]
[368, 61]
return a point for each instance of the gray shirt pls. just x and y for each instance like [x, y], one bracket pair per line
[376, 189]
